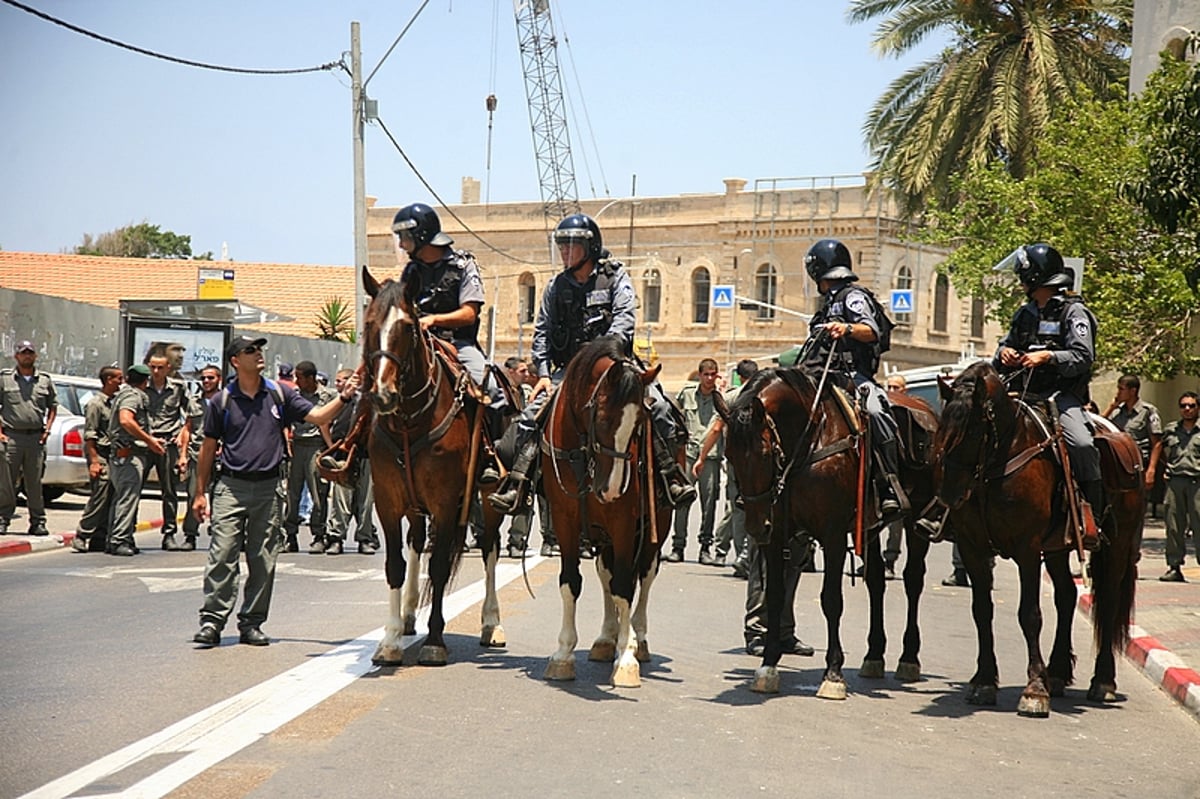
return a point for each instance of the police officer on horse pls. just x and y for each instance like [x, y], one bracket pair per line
[592, 297]
[852, 324]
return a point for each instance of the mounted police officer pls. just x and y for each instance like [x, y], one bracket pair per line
[853, 323]
[1051, 347]
[592, 297]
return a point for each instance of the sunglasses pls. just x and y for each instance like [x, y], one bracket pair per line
[1186, 405]
[253, 350]
[208, 377]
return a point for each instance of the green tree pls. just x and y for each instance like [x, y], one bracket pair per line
[335, 321]
[139, 241]
[1072, 198]
[989, 96]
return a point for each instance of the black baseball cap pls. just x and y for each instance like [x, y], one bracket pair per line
[240, 343]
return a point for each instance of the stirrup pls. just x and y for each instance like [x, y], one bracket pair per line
[509, 498]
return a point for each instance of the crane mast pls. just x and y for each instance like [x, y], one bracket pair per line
[547, 108]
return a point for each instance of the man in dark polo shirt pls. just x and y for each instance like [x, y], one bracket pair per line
[247, 419]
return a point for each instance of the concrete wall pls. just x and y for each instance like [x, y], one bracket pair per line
[1159, 25]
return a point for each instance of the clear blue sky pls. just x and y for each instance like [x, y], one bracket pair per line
[683, 94]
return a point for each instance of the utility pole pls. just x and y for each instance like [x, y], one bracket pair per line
[358, 97]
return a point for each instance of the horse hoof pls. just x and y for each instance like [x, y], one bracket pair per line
[626, 675]
[1034, 707]
[1057, 686]
[410, 625]
[766, 680]
[981, 695]
[643, 652]
[560, 670]
[1102, 692]
[871, 670]
[493, 636]
[603, 652]
[908, 672]
[832, 689]
[432, 655]
[388, 656]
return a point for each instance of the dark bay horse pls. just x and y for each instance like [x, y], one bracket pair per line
[995, 464]
[598, 476]
[421, 455]
[797, 463]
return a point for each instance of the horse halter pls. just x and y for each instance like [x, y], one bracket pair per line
[592, 408]
[779, 469]
[419, 338]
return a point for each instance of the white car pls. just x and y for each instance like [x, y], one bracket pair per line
[66, 461]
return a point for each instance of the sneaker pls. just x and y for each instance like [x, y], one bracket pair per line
[189, 544]
[546, 551]
[334, 546]
[317, 547]
[169, 544]
[706, 559]
[676, 556]
[515, 551]
[367, 548]
[79, 543]
[1173, 575]
[957, 579]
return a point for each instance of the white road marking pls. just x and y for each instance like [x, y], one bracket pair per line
[206, 738]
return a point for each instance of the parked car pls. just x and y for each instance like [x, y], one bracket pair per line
[66, 462]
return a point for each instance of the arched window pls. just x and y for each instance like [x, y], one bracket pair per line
[701, 286]
[941, 299]
[651, 296]
[765, 284]
[904, 281]
[526, 299]
[978, 315]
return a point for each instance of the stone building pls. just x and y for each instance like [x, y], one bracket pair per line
[750, 237]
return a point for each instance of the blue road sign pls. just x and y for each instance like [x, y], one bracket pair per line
[722, 297]
[902, 300]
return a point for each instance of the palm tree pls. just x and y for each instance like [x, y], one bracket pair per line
[990, 94]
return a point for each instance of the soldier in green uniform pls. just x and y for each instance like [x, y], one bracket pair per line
[132, 446]
[28, 405]
[91, 533]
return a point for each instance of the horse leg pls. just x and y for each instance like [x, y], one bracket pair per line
[434, 652]
[604, 648]
[1035, 699]
[491, 631]
[412, 583]
[1060, 670]
[626, 673]
[639, 618]
[570, 585]
[833, 685]
[909, 667]
[872, 665]
[766, 676]
[390, 651]
[984, 683]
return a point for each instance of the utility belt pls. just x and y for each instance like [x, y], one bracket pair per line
[253, 477]
[125, 452]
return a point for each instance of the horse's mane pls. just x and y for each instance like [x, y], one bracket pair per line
[577, 381]
[956, 415]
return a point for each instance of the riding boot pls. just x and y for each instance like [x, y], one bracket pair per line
[933, 524]
[680, 491]
[511, 495]
[893, 502]
[337, 463]
[1093, 493]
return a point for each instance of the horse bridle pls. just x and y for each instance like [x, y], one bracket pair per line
[432, 374]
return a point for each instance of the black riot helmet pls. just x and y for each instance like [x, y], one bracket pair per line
[829, 259]
[580, 229]
[421, 222]
[1041, 266]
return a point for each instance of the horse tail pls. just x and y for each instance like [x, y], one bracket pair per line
[1114, 574]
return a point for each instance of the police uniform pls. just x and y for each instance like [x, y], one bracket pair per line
[307, 444]
[168, 413]
[1141, 422]
[24, 403]
[197, 405]
[354, 498]
[1181, 452]
[444, 287]
[92, 530]
[128, 462]
[698, 411]
[1066, 328]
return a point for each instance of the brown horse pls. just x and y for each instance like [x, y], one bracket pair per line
[994, 459]
[797, 463]
[597, 476]
[421, 451]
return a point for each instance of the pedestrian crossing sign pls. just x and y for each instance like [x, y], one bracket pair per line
[902, 301]
[722, 297]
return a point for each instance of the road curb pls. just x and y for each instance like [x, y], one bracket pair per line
[1162, 666]
[27, 544]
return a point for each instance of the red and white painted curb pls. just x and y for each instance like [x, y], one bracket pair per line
[40, 543]
[1161, 665]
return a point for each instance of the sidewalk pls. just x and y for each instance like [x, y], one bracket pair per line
[21, 544]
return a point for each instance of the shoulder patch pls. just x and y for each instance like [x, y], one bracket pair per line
[857, 302]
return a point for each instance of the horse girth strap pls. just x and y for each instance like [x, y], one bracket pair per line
[415, 446]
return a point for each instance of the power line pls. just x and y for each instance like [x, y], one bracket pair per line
[42, 15]
[443, 204]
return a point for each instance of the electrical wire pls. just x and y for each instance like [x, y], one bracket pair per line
[152, 54]
[448, 209]
[393, 47]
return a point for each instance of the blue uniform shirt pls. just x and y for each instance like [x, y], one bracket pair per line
[250, 429]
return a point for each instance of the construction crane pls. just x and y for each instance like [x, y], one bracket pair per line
[547, 108]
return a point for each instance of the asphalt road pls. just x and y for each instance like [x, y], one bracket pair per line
[102, 692]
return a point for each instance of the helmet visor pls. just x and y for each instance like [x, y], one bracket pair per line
[572, 235]
[404, 226]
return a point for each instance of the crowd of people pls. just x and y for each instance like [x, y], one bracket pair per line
[246, 448]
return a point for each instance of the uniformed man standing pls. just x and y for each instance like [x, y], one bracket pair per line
[592, 297]
[1181, 451]
[132, 445]
[307, 442]
[91, 534]
[247, 419]
[697, 403]
[28, 405]
[1140, 420]
[354, 499]
[169, 405]
[852, 323]
[210, 385]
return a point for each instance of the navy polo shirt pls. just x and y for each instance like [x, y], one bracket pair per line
[249, 428]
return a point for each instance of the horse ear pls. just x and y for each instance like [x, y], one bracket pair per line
[721, 407]
[370, 283]
[758, 411]
[651, 374]
[945, 388]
